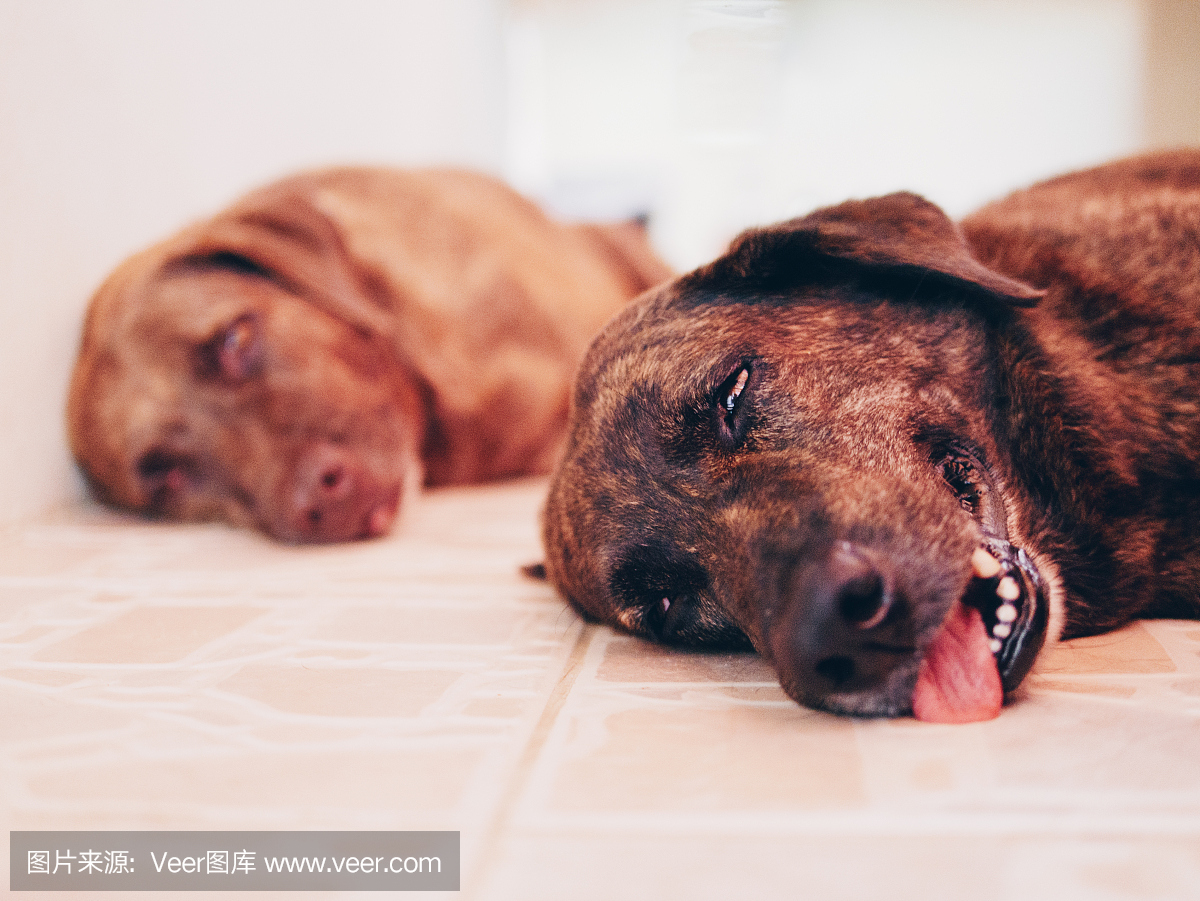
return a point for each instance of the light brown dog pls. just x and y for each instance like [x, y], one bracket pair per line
[301, 361]
[896, 455]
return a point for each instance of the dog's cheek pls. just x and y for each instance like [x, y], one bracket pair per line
[917, 542]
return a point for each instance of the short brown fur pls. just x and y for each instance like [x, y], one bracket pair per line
[301, 360]
[844, 407]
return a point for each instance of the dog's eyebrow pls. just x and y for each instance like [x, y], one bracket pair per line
[221, 259]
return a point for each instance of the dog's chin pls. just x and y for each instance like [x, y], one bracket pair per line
[381, 515]
[981, 652]
[892, 699]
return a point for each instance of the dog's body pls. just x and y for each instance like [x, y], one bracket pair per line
[895, 455]
[298, 361]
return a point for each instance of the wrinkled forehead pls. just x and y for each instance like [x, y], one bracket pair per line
[829, 359]
[140, 340]
[822, 339]
[142, 337]
[185, 308]
[663, 340]
[672, 344]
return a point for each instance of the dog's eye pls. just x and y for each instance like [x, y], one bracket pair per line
[690, 619]
[733, 394]
[667, 617]
[240, 351]
[654, 585]
[662, 594]
[960, 475]
[235, 352]
[733, 414]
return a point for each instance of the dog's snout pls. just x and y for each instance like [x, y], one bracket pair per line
[322, 483]
[333, 498]
[842, 625]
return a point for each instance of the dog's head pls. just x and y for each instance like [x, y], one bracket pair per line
[793, 449]
[242, 371]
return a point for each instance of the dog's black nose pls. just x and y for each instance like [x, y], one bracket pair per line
[841, 624]
[857, 588]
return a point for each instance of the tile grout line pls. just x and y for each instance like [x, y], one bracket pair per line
[524, 768]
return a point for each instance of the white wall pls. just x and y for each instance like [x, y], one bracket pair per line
[734, 113]
[120, 120]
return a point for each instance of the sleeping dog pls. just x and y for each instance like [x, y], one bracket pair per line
[302, 360]
[897, 455]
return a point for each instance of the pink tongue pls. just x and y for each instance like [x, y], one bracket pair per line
[958, 681]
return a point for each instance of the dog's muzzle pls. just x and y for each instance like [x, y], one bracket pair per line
[1015, 610]
[842, 629]
[848, 640]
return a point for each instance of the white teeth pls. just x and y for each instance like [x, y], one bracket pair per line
[1006, 613]
[1008, 589]
[995, 644]
[1002, 630]
[666, 604]
[984, 564]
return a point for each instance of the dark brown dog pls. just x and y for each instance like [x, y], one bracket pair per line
[894, 455]
[291, 363]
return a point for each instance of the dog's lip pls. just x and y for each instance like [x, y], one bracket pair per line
[988, 641]
[1010, 595]
[1017, 625]
[1016, 635]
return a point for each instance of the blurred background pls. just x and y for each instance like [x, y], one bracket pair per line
[121, 121]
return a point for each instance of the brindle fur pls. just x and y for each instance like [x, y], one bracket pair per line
[1053, 337]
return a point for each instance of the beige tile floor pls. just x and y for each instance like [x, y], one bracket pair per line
[196, 677]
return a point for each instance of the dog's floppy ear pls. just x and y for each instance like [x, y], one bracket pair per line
[898, 236]
[280, 233]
